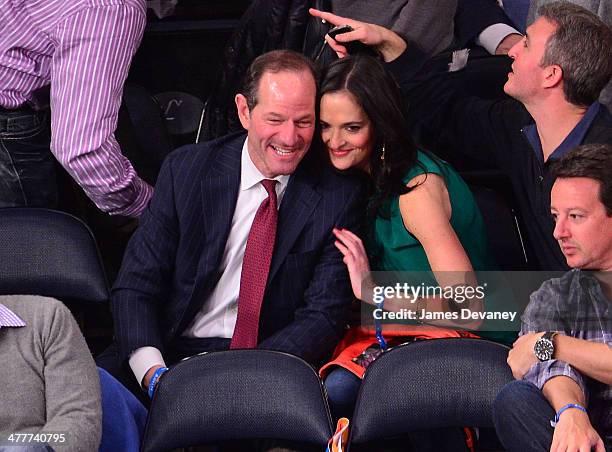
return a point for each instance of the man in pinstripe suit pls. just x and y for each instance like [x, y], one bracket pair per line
[178, 288]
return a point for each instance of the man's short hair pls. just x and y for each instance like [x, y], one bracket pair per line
[274, 61]
[582, 47]
[593, 161]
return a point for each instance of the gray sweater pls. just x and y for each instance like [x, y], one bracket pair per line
[48, 380]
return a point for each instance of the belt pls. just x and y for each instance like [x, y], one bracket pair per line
[25, 108]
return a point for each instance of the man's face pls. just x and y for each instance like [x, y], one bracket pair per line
[280, 127]
[582, 227]
[527, 76]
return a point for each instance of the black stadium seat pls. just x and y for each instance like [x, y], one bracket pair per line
[49, 253]
[54, 254]
[429, 384]
[235, 395]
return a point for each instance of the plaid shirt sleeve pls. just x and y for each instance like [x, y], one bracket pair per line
[545, 312]
[541, 372]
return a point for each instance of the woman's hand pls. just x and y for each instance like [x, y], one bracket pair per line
[355, 258]
[387, 42]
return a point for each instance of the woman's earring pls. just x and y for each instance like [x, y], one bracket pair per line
[382, 154]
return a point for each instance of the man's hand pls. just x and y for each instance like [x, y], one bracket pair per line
[507, 43]
[574, 432]
[147, 378]
[387, 42]
[521, 357]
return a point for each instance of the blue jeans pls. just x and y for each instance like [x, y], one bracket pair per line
[522, 417]
[27, 167]
[342, 387]
[123, 416]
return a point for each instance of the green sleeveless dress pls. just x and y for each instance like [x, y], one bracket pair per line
[394, 249]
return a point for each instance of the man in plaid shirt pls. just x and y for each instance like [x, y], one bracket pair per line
[562, 399]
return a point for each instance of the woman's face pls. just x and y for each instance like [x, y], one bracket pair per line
[346, 131]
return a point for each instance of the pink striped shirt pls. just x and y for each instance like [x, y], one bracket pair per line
[83, 48]
[9, 318]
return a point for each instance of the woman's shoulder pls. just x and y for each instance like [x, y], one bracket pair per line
[426, 163]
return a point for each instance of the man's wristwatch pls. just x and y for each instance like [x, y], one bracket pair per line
[544, 348]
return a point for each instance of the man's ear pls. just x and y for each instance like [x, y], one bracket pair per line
[244, 113]
[553, 76]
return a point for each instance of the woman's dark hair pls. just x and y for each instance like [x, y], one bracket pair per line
[377, 93]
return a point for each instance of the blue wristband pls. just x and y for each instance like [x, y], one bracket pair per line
[554, 422]
[158, 373]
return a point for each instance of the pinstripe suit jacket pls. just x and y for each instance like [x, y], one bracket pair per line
[172, 262]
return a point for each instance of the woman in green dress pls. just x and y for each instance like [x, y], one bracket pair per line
[421, 215]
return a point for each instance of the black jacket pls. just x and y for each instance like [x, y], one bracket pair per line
[266, 25]
[490, 131]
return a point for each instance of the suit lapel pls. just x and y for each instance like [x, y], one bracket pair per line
[296, 208]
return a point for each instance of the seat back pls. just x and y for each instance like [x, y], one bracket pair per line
[237, 394]
[430, 384]
[50, 253]
[503, 231]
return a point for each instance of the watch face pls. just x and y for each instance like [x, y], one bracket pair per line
[544, 349]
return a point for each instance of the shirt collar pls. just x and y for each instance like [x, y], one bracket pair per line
[9, 318]
[251, 176]
[573, 139]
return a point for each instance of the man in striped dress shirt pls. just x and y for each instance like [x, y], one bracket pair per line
[563, 359]
[81, 50]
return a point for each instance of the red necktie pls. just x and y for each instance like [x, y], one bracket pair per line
[255, 269]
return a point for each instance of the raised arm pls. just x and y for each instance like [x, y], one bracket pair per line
[387, 42]
[439, 113]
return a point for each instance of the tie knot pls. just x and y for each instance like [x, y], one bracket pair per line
[269, 185]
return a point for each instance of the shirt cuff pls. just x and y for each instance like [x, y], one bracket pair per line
[142, 359]
[143, 194]
[491, 36]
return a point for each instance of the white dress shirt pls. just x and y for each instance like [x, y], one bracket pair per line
[217, 318]
[493, 35]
